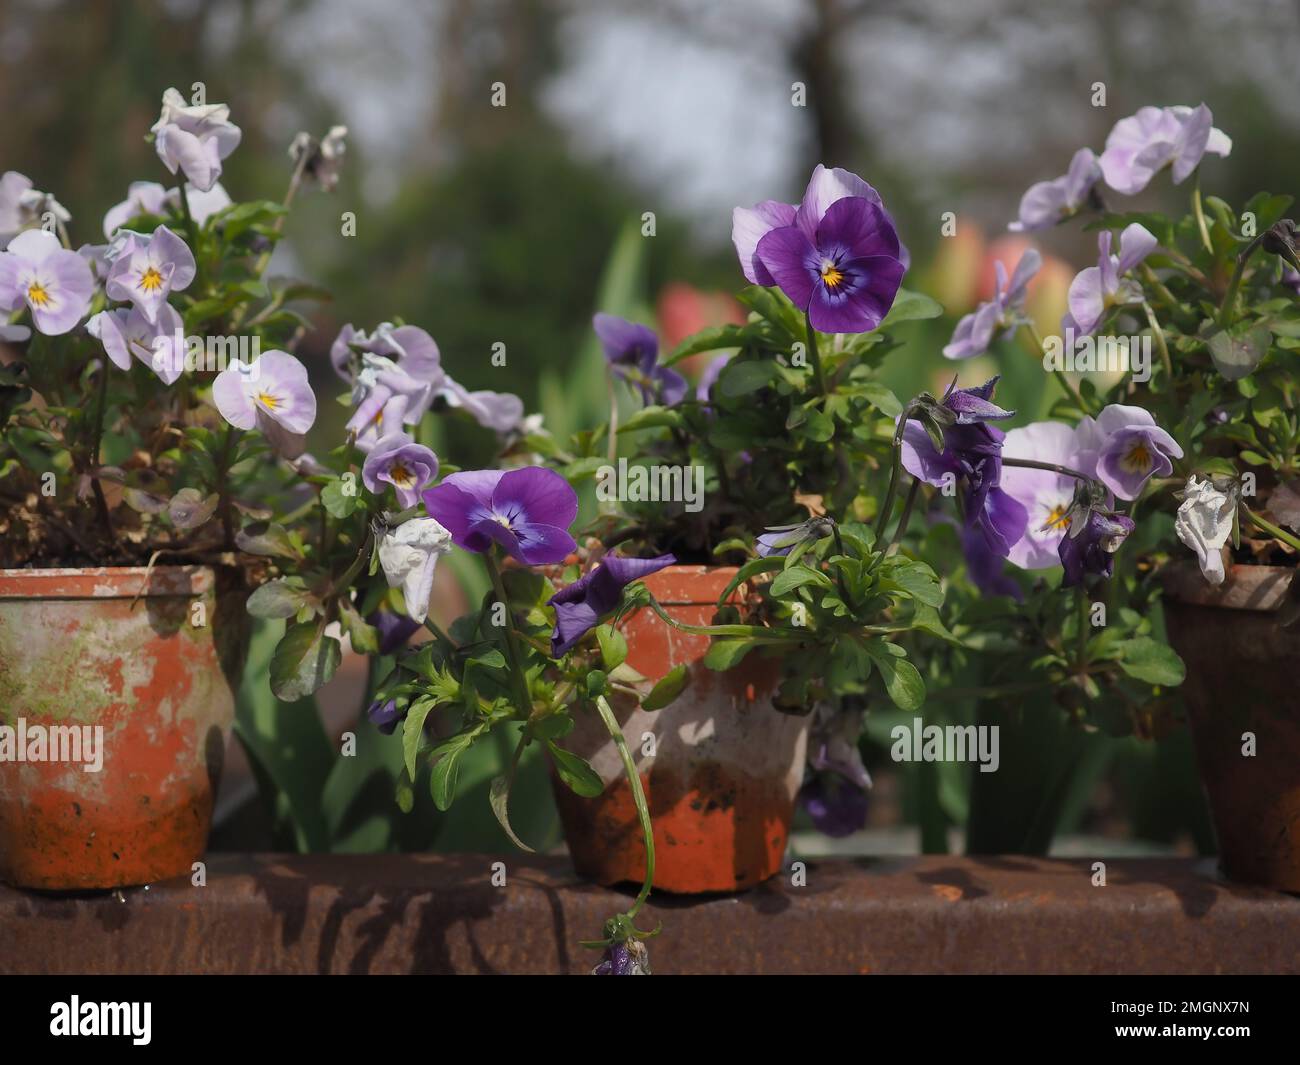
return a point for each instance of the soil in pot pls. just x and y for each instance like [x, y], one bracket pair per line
[1243, 700]
[116, 699]
[725, 770]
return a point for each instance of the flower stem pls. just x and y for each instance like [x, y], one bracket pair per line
[612, 449]
[901, 529]
[813, 355]
[1273, 530]
[1159, 334]
[638, 797]
[1199, 211]
[751, 632]
[1060, 376]
[512, 644]
[97, 434]
[887, 505]
[1051, 467]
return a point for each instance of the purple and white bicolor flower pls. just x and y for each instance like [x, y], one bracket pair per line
[836, 255]
[632, 352]
[1157, 137]
[1098, 288]
[394, 373]
[126, 332]
[145, 270]
[1046, 203]
[1045, 496]
[272, 395]
[1125, 447]
[580, 606]
[1088, 547]
[398, 460]
[1001, 315]
[527, 511]
[408, 556]
[24, 207]
[194, 138]
[55, 283]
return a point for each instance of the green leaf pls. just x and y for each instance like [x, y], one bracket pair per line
[340, 496]
[652, 418]
[363, 635]
[1150, 660]
[797, 577]
[910, 307]
[266, 538]
[413, 732]
[596, 683]
[188, 508]
[1237, 351]
[742, 378]
[499, 799]
[724, 654]
[613, 646]
[304, 660]
[750, 569]
[279, 598]
[882, 398]
[902, 681]
[575, 772]
[667, 689]
[442, 777]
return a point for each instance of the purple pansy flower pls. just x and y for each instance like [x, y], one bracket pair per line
[1143, 144]
[1000, 315]
[710, 376]
[1127, 448]
[146, 269]
[973, 451]
[126, 332]
[632, 352]
[1048, 202]
[194, 138]
[1089, 547]
[502, 412]
[833, 744]
[836, 807]
[394, 629]
[385, 716]
[272, 394]
[836, 256]
[580, 605]
[527, 511]
[55, 283]
[1045, 496]
[1098, 288]
[985, 568]
[398, 460]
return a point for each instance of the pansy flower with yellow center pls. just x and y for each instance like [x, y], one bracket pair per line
[1045, 495]
[36, 271]
[144, 270]
[125, 332]
[398, 460]
[1129, 448]
[271, 395]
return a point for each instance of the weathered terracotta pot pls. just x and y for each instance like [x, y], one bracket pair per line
[726, 769]
[134, 673]
[1243, 675]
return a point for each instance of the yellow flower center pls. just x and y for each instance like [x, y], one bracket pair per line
[1059, 518]
[831, 274]
[151, 280]
[267, 400]
[36, 294]
[401, 476]
[1138, 460]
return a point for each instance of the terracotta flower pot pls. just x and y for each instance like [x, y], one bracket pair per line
[1243, 675]
[135, 674]
[726, 769]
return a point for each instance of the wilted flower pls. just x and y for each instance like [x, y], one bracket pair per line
[580, 605]
[1204, 523]
[55, 283]
[23, 207]
[837, 808]
[833, 744]
[836, 256]
[408, 556]
[629, 958]
[1048, 202]
[1128, 448]
[194, 138]
[632, 352]
[272, 394]
[1098, 288]
[1089, 545]
[394, 374]
[1143, 144]
[398, 460]
[126, 332]
[1000, 315]
[781, 539]
[322, 159]
[146, 269]
[527, 511]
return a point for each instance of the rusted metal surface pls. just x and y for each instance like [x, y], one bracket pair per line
[116, 703]
[726, 765]
[442, 914]
[1243, 704]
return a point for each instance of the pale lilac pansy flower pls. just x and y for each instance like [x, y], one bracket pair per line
[1046, 496]
[272, 395]
[1145, 143]
[194, 138]
[1204, 523]
[408, 556]
[395, 372]
[398, 460]
[1046, 203]
[502, 412]
[1126, 448]
[1001, 315]
[24, 207]
[1098, 288]
[145, 270]
[142, 198]
[204, 204]
[55, 283]
[126, 332]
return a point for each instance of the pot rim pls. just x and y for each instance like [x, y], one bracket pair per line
[1245, 587]
[108, 582]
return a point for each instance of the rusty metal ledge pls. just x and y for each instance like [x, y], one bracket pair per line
[391, 913]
